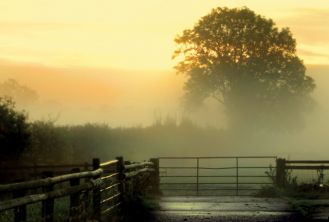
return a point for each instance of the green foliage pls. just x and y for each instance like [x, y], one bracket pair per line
[14, 130]
[51, 143]
[48, 144]
[290, 188]
[245, 62]
[291, 180]
[271, 173]
[270, 190]
[293, 189]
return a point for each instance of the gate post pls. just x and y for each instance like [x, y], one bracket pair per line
[47, 210]
[20, 212]
[237, 176]
[96, 193]
[155, 176]
[197, 176]
[121, 177]
[75, 211]
[280, 172]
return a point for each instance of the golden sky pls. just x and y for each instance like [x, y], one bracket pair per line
[110, 60]
[137, 35]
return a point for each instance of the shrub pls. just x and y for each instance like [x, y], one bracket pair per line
[14, 130]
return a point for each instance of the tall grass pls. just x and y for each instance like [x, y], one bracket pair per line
[51, 143]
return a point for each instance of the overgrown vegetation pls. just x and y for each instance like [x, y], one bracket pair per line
[51, 143]
[300, 195]
[316, 188]
[44, 142]
[14, 131]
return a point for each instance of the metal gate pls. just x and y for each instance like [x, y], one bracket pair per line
[225, 175]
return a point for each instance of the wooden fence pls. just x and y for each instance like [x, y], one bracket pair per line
[10, 173]
[97, 191]
[282, 165]
[93, 194]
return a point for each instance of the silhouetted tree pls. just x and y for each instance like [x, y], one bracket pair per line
[247, 64]
[14, 130]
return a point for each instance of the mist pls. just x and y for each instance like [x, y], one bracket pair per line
[79, 95]
[145, 107]
[113, 67]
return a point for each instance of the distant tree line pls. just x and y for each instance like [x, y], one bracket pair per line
[44, 142]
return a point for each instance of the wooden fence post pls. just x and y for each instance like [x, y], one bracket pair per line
[280, 172]
[156, 176]
[86, 168]
[20, 212]
[75, 199]
[121, 177]
[96, 193]
[48, 205]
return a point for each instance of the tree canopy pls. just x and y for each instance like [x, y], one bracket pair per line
[246, 63]
[14, 130]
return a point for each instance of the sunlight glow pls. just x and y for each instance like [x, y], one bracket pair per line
[135, 34]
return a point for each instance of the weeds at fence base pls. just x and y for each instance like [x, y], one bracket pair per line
[303, 191]
[300, 197]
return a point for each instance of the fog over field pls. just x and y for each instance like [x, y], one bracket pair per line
[116, 97]
[109, 63]
[71, 96]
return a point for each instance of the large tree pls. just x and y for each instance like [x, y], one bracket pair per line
[246, 63]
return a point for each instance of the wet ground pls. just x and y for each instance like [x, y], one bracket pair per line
[232, 208]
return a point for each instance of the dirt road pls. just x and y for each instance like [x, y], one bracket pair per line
[233, 208]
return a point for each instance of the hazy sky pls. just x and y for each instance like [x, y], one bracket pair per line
[110, 60]
[137, 34]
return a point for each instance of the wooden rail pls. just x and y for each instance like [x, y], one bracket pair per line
[283, 165]
[98, 190]
[48, 181]
[9, 173]
[94, 194]
[5, 205]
